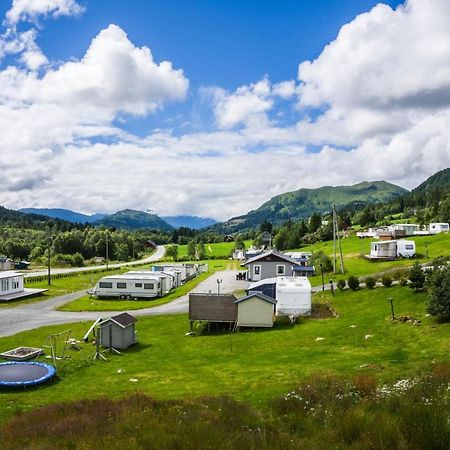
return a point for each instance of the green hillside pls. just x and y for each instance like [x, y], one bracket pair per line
[301, 204]
[440, 180]
[130, 219]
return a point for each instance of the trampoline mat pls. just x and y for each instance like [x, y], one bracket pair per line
[25, 372]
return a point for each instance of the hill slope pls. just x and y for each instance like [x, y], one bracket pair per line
[64, 214]
[130, 219]
[301, 204]
[439, 180]
[194, 222]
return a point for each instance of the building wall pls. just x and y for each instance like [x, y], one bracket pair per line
[11, 285]
[212, 307]
[255, 312]
[269, 269]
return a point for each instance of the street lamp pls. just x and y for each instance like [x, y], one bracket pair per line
[323, 281]
[219, 282]
[391, 300]
[331, 287]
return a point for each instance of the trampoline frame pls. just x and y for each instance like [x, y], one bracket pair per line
[51, 372]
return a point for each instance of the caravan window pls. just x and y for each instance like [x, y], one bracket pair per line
[149, 286]
[105, 285]
[121, 285]
[138, 285]
[409, 247]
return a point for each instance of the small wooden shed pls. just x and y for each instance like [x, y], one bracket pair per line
[212, 308]
[117, 331]
[256, 310]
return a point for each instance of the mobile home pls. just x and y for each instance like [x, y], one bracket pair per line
[11, 282]
[392, 249]
[293, 295]
[128, 286]
[435, 228]
[165, 280]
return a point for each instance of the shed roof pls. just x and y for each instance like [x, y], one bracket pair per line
[264, 297]
[272, 253]
[123, 320]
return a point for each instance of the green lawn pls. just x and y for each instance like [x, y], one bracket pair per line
[254, 365]
[354, 248]
[87, 303]
[215, 250]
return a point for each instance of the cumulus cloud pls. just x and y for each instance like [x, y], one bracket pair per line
[31, 10]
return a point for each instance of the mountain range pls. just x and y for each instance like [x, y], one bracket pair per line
[302, 203]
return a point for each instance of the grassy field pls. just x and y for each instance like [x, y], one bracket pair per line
[255, 366]
[215, 250]
[87, 303]
[354, 248]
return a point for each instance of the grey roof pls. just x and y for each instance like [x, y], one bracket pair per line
[272, 253]
[259, 295]
[124, 320]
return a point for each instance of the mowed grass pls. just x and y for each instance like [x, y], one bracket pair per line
[255, 366]
[88, 303]
[214, 250]
[355, 263]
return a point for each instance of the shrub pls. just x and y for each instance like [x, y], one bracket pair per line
[370, 282]
[403, 282]
[341, 284]
[416, 277]
[353, 282]
[386, 280]
[438, 285]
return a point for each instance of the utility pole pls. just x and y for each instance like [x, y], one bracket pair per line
[336, 226]
[334, 241]
[49, 244]
[107, 250]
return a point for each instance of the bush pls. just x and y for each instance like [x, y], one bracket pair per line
[416, 277]
[386, 280]
[438, 286]
[341, 284]
[403, 282]
[353, 282]
[370, 282]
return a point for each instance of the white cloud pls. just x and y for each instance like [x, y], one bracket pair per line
[30, 10]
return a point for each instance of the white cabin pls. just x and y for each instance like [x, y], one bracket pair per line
[293, 295]
[128, 286]
[11, 282]
[435, 228]
[393, 249]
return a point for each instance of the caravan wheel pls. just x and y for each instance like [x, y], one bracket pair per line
[122, 297]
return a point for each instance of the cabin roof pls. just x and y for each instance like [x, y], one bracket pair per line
[261, 296]
[272, 253]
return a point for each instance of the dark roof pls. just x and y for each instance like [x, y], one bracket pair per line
[124, 319]
[303, 268]
[259, 295]
[273, 253]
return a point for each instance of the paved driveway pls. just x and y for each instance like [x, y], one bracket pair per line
[35, 315]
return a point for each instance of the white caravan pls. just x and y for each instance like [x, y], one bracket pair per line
[293, 295]
[128, 286]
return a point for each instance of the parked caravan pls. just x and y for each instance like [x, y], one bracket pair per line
[164, 279]
[392, 249]
[293, 295]
[435, 228]
[129, 286]
[266, 287]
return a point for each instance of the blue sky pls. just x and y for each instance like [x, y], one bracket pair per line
[258, 97]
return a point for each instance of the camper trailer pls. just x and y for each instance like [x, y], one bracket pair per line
[293, 295]
[129, 285]
[435, 228]
[392, 249]
[165, 280]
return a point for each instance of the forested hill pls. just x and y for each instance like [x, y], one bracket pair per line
[440, 180]
[24, 220]
[301, 204]
[129, 219]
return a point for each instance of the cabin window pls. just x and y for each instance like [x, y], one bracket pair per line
[257, 270]
[121, 285]
[105, 285]
[138, 285]
[15, 285]
[280, 269]
[409, 247]
[149, 286]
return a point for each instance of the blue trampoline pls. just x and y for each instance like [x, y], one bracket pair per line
[25, 373]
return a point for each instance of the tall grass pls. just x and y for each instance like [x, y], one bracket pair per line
[324, 411]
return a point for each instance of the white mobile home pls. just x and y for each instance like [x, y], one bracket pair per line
[435, 228]
[10, 282]
[165, 280]
[392, 249]
[128, 286]
[293, 295]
